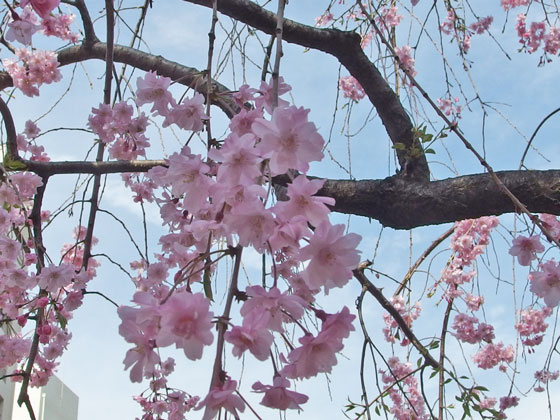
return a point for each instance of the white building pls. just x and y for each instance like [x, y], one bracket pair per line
[54, 401]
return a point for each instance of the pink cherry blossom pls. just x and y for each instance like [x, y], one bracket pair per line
[532, 325]
[509, 4]
[241, 123]
[467, 330]
[507, 402]
[244, 94]
[253, 335]
[59, 26]
[302, 201]
[252, 223]
[265, 100]
[405, 58]
[154, 89]
[240, 160]
[338, 326]
[552, 224]
[222, 396]
[186, 322]
[22, 29]
[41, 7]
[351, 88]
[409, 314]
[546, 283]
[315, 355]
[38, 67]
[481, 25]
[272, 305]
[289, 140]
[279, 396]
[324, 19]
[411, 406]
[138, 327]
[54, 277]
[388, 17]
[332, 256]
[187, 176]
[487, 403]
[491, 355]
[188, 115]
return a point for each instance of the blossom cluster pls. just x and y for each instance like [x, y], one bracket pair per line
[215, 207]
[32, 68]
[48, 296]
[36, 68]
[537, 34]
[408, 402]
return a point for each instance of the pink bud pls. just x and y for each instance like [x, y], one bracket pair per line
[21, 320]
[45, 330]
[42, 302]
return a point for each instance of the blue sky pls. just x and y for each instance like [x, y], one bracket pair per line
[522, 93]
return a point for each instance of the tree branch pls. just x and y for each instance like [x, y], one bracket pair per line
[402, 204]
[370, 287]
[345, 46]
[187, 76]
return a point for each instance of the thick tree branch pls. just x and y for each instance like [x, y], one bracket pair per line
[187, 76]
[402, 204]
[394, 201]
[345, 46]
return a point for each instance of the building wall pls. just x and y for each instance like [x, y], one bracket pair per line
[54, 401]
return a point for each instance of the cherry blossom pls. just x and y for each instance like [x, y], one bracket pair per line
[315, 355]
[187, 323]
[39, 67]
[546, 283]
[303, 201]
[22, 29]
[405, 59]
[222, 396]
[154, 89]
[279, 396]
[490, 355]
[526, 249]
[289, 140]
[253, 335]
[332, 257]
[351, 88]
[41, 7]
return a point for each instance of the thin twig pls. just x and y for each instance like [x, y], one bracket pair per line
[421, 259]
[360, 276]
[110, 18]
[276, 70]
[222, 323]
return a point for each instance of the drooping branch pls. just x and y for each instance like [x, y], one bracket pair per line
[345, 46]
[376, 293]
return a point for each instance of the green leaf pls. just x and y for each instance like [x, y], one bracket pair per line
[430, 150]
[399, 146]
[207, 284]
[426, 138]
[13, 165]
[62, 320]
